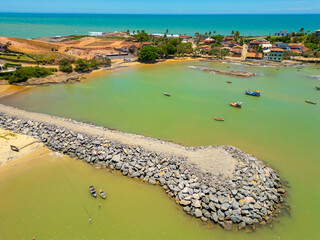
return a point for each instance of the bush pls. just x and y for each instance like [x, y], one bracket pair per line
[24, 73]
[11, 65]
[148, 53]
[65, 66]
[83, 65]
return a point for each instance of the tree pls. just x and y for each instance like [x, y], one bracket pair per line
[171, 49]
[104, 61]
[65, 66]
[167, 31]
[301, 30]
[138, 31]
[237, 34]
[214, 32]
[148, 53]
[82, 65]
[232, 32]
[206, 34]
[133, 32]
[210, 33]
[24, 73]
[142, 37]
[128, 32]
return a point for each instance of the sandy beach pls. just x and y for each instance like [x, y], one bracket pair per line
[8, 138]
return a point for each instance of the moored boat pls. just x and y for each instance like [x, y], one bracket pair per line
[102, 194]
[318, 88]
[311, 102]
[228, 81]
[219, 119]
[253, 93]
[236, 104]
[167, 94]
[93, 191]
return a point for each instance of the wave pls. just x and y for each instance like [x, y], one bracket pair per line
[314, 76]
[95, 33]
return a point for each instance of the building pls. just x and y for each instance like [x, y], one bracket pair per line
[284, 46]
[265, 50]
[145, 44]
[228, 38]
[253, 56]
[281, 33]
[205, 48]
[2, 47]
[275, 54]
[209, 41]
[236, 51]
[258, 42]
[130, 48]
[185, 38]
[318, 33]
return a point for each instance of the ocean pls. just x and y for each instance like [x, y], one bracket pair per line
[32, 25]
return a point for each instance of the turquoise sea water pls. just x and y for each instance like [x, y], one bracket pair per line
[30, 25]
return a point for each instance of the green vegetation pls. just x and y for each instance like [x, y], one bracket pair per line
[16, 57]
[79, 37]
[103, 61]
[24, 73]
[11, 65]
[83, 65]
[65, 66]
[148, 53]
[142, 37]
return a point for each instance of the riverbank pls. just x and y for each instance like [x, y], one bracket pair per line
[216, 183]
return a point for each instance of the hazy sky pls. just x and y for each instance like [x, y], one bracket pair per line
[162, 6]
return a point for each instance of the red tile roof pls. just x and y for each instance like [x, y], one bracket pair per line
[276, 50]
[254, 55]
[294, 45]
[295, 51]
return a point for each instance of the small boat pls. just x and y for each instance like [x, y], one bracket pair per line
[311, 102]
[253, 93]
[167, 94]
[93, 191]
[102, 194]
[318, 88]
[236, 104]
[228, 82]
[219, 119]
[14, 148]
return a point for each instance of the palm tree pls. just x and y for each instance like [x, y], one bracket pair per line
[133, 32]
[210, 33]
[301, 30]
[214, 32]
[167, 31]
[206, 34]
[232, 32]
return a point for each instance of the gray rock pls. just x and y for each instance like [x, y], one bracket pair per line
[197, 213]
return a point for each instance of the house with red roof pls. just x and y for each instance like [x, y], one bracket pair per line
[236, 51]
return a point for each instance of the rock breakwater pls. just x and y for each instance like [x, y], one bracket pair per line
[251, 195]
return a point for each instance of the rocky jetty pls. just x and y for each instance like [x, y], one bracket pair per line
[227, 72]
[252, 195]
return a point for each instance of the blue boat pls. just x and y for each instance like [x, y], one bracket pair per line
[253, 93]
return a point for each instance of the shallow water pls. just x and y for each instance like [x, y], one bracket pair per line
[279, 128]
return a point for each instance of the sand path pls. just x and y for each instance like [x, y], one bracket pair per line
[214, 160]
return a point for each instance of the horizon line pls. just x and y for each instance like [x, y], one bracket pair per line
[164, 13]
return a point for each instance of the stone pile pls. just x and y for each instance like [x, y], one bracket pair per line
[252, 195]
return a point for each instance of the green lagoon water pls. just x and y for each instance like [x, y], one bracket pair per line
[279, 128]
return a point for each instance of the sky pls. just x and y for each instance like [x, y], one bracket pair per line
[163, 6]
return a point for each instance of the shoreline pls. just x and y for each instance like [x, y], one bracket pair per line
[220, 184]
